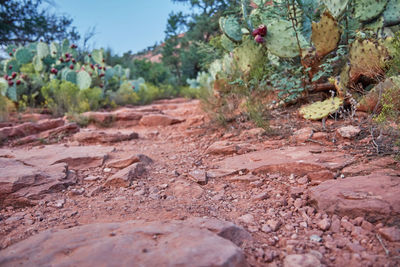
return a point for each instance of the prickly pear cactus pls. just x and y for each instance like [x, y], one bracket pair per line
[375, 25]
[227, 44]
[11, 66]
[231, 28]
[281, 39]
[23, 55]
[249, 56]
[118, 70]
[321, 109]
[97, 56]
[336, 7]
[109, 73]
[42, 50]
[83, 80]
[37, 64]
[69, 75]
[391, 14]
[325, 34]
[367, 58]
[366, 10]
[54, 47]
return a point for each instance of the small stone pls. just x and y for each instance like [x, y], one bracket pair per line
[163, 186]
[390, 233]
[107, 170]
[91, 178]
[301, 260]
[139, 193]
[348, 131]
[335, 225]
[77, 191]
[199, 176]
[247, 218]
[324, 224]
[266, 229]
[274, 224]
[261, 196]
[303, 224]
[59, 203]
[298, 203]
[303, 180]
[347, 225]
[315, 238]
[366, 225]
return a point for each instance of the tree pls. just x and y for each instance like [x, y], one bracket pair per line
[23, 21]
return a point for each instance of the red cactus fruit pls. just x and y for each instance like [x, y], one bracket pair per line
[18, 82]
[13, 75]
[67, 55]
[71, 67]
[259, 39]
[14, 50]
[255, 32]
[10, 67]
[262, 30]
[10, 83]
[89, 55]
[5, 77]
[11, 54]
[101, 75]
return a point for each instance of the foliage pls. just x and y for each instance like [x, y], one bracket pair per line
[28, 21]
[61, 97]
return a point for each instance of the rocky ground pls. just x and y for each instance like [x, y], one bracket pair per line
[161, 185]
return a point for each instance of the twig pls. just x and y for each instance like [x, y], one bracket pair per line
[383, 245]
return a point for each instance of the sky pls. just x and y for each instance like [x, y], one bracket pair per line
[122, 25]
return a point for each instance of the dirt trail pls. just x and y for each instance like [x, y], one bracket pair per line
[280, 187]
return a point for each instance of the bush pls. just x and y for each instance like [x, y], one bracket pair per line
[61, 97]
[124, 95]
[90, 99]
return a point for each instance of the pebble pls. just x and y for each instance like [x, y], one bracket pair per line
[390, 233]
[301, 260]
[261, 196]
[274, 224]
[247, 218]
[324, 224]
[266, 229]
[91, 178]
[107, 170]
[303, 180]
[315, 238]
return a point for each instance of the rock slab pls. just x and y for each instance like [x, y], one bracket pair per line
[374, 197]
[132, 243]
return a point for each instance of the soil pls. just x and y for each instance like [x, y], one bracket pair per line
[273, 206]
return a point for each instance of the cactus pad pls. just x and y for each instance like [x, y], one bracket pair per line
[321, 109]
[227, 44]
[42, 50]
[68, 75]
[231, 28]
[325, 34]
[367, 58]
[97, 56]
[37, 64]
[336, 7]
[83, 80]
[54, 49]
[366, 10]
[23, 55]
[281, 39]
[11, 66]
[249, 56]
[392, 13]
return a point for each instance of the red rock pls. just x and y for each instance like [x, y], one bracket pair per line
[23, 184]
[321, 176]
[223, 148]
[390, 233]
[301, 260]
[125, 177]
[29, 128]
[303, 134]
[158, 120]
[289, 160]
[324, 224]
[64, 130]
[131, 243]
[373, 197]
[104, 137]
[123, 163]
[349, 131]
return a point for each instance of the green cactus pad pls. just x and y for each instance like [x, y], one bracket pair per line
[367, 58]
[336, 7]
[54, 47]
[23, 55]
[118, 71]
[65, 46]
[97, 56]
[37, 64]
[325, 34]
[10, 66]
[392, 13]
[231, 28]
[83, 80]
[10, 48]
[281, 39]
[321, 109]
[374, 25]
[227, 44]
[68, 75]
[42, 50]
[366, 10]
[3, 86]
[12, 93]
[109, 73]
[248, 56]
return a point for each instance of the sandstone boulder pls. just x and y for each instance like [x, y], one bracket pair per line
[374, 197]
[104, 137]
[158, 120]
[132, 243]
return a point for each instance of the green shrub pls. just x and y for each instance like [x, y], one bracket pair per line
[61, 97]
[124, 95]
[90, 99]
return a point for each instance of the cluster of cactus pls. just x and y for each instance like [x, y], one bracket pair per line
[57, 61]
